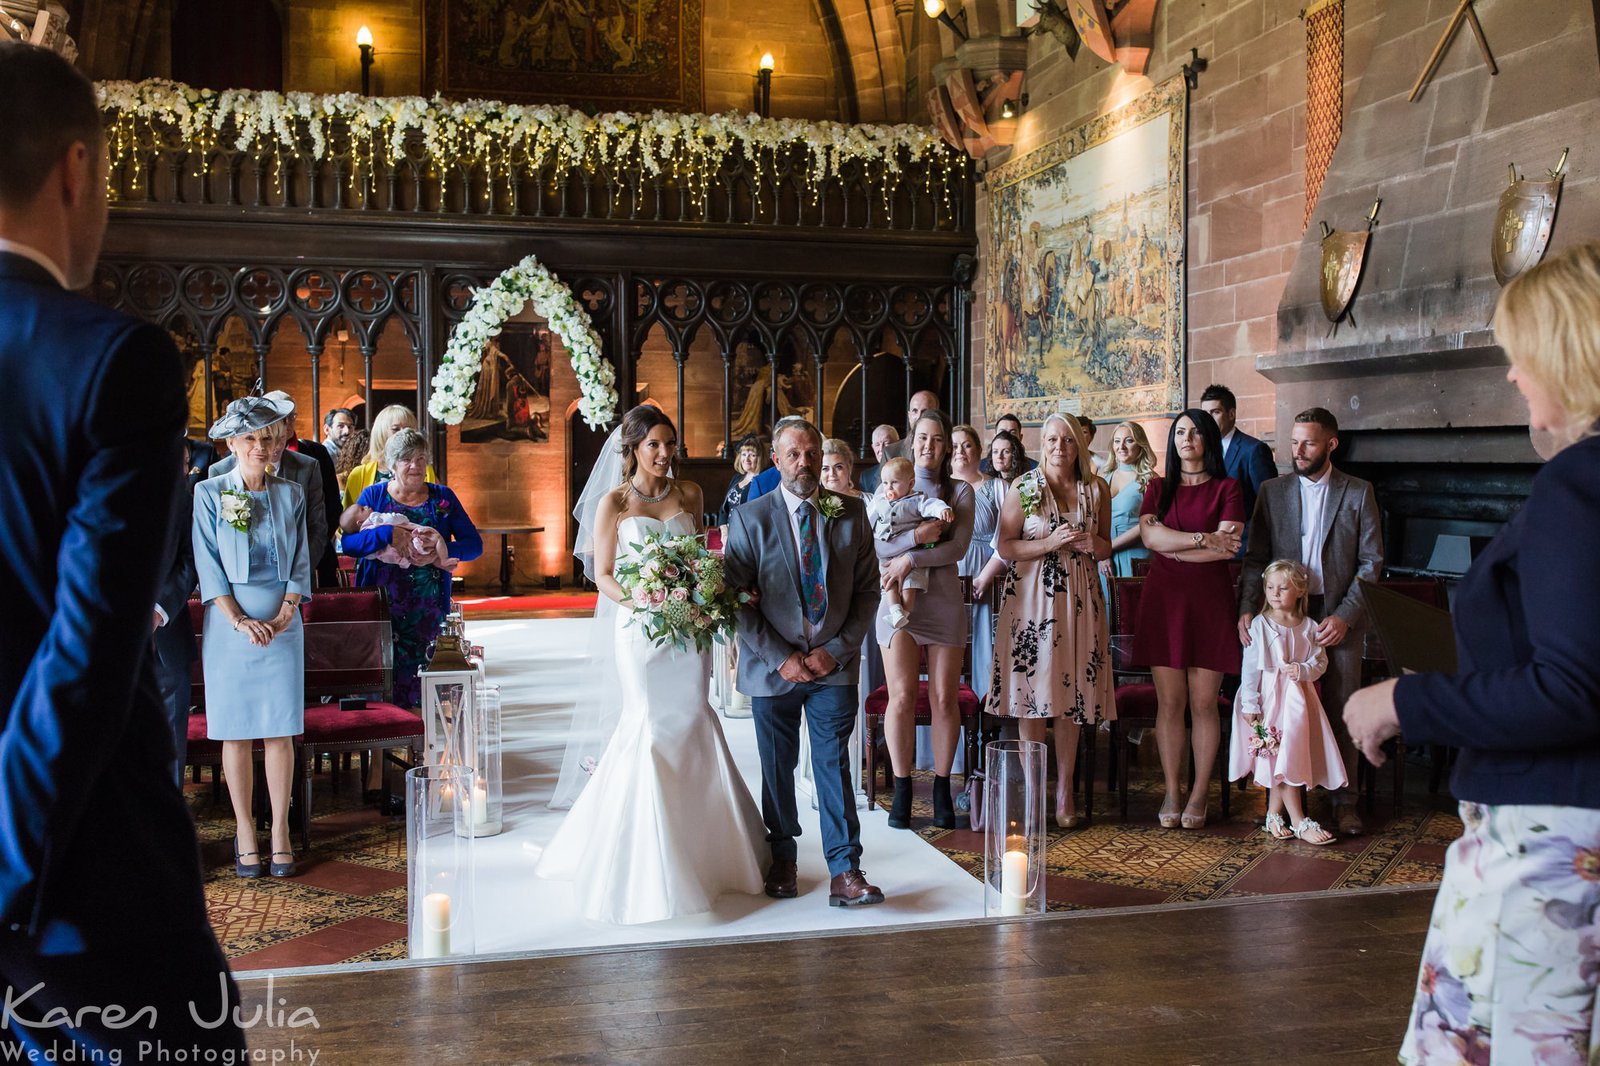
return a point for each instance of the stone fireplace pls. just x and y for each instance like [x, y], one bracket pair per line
[1414, 374]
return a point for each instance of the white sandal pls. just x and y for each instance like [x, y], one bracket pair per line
[1307, 825]
[1276, 828]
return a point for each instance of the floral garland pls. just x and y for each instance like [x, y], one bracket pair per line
[503, 136]
[527, 282]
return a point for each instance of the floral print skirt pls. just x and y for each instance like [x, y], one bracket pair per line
[1512, 959]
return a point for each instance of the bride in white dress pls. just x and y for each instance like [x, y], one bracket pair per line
[665, 823]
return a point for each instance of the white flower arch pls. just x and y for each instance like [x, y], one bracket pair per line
[526, 282]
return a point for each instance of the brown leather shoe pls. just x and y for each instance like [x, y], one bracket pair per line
[850, 889]
[1348, 820]
[781, 880]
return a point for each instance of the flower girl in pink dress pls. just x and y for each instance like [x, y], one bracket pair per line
[1280, 732]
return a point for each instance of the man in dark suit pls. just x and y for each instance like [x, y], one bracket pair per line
[1246, 459]
[1327, 521]
[882, 437]
[101, 911]
[326, 564]
[174, 631]
[811, 558]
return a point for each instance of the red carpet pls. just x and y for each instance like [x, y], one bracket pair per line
[577, 601]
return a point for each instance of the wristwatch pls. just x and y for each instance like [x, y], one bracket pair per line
[1199, 539]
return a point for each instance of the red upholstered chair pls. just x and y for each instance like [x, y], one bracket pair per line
[350, 653]
[1136, 692]
[968, 704]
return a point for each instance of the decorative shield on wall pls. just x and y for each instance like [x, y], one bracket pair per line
[1344, 252]
[1094, 26]
[1523, 222]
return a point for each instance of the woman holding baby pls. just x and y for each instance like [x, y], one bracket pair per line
[1052, 634]
[937, 623]
[412, 534]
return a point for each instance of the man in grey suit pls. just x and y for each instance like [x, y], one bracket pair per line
[305, 472]
[1328, 521]
[810, 558]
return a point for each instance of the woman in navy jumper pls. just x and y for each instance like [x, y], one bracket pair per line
[1512, 961]
[419, 592]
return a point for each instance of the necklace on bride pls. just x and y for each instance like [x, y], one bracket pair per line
[637, 491]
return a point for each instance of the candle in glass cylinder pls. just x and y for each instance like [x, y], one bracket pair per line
[480, 805]
[1014, 883]
[435, 925]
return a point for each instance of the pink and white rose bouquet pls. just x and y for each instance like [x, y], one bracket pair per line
[677, 591]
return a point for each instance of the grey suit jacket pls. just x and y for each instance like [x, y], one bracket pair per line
[1351, 536]
[761, 554]
[305, 472]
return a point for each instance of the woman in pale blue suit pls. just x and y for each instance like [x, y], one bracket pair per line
[1128, 470]
[255, 569]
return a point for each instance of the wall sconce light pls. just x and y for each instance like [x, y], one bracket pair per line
[1013, 108]
[364, 44]
[935, 10]
[1194, 68]
[764, 86]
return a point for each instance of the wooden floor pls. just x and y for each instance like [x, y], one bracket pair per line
[1319, 978]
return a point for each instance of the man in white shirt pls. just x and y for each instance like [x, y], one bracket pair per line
[1328, 521]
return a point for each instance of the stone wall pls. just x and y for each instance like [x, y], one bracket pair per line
[1246, 170]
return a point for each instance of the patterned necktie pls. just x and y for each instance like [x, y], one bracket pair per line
[812, 594]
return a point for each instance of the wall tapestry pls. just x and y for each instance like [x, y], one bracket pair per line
[597, 55]
[1084, 278]
[512, 400]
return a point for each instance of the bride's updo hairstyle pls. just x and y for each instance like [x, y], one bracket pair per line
[636, 426]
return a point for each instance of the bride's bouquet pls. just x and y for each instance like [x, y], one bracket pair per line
[678, 592]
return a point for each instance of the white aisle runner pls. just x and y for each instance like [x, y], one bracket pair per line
[539, 667]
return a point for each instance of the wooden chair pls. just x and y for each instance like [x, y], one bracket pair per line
[1136, 695]
[1375, 667]
[350, 653]
[968, 704]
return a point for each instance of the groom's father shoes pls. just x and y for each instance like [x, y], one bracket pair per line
[781, 880]
[850, 889]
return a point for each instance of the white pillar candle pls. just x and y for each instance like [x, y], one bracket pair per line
[480, 805]
[435, 925]
[1014, 883]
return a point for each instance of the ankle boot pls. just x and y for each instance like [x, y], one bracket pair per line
[944, 809]
[900, 810]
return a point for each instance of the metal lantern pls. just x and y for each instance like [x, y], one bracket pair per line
[449, 701]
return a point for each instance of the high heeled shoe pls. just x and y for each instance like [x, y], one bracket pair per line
[1193, 821]
[282, 869]
[1169, 819]
[245, 869]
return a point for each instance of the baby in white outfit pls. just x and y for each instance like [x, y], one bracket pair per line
[897, 507]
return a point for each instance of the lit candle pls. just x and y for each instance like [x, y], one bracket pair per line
[1014, 883]
[435, 925]
[480, 805]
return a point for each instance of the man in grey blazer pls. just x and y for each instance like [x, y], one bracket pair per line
[305, 472]
[1328, 521]
[809, 556]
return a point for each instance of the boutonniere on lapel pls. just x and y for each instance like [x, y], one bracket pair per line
[830, 505]
[1028, 495]
[236, 509]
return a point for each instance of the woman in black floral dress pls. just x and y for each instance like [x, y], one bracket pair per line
[1052, 637]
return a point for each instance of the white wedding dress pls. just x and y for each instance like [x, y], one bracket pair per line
[666, 824]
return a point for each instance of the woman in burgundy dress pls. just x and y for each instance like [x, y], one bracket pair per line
[1190, 520]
